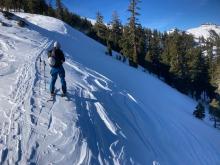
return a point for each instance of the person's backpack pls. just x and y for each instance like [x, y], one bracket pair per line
[51, 58]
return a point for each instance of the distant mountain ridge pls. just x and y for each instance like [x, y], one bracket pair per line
[204, 30]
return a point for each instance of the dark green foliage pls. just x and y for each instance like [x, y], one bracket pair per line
[36, 6]
[176, 55]
[217, 75]
[198, 74]
[50, 11]
[124, 43]
[130, 44]
[214, 110]
[153, 54]
[115, 32]
[213, 61]
[100, 28]
[141, 44]
[59, 10]
[132, 32]
[109, 49]
[199, 111]
[2, 4]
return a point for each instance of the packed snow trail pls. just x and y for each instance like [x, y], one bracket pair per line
[107, 118]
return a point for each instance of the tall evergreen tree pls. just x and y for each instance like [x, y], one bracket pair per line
[59, 9]
[125, 44]
[215, 81]
[115, 31]
[141, 44]
[214, 110]
[36, 6]
[197, 71]
[179, 43]
[153, 52]
[50, 10]
[20, 4]
[2, 4]
[165, 58]
[100, 28]
[215, 64]
[8, 4]
[133, 9]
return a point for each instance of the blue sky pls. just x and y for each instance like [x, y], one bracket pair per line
[160, 14]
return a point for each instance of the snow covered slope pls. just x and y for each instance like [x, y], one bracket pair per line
[204, 30]
[114, 114]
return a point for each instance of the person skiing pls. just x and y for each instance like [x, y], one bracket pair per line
[56, 59]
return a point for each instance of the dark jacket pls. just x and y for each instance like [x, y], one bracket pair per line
[58, 55]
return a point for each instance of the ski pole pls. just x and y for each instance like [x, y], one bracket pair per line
[40, 78]
[44, 75]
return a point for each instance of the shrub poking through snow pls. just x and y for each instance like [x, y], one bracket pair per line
[199, 111]
[21, 23]
[8, 15]
[3, 24]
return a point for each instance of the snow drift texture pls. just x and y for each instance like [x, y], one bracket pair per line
[114, 114]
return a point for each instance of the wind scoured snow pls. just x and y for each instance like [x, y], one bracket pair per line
[114, 114]
[45, 22]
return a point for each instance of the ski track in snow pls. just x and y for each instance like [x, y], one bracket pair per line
[99, 122]
[14, 125]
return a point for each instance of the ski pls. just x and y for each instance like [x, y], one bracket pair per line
[52, 98]
[65, 96]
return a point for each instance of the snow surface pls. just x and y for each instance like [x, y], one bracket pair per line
[114, 114]
[204, 30]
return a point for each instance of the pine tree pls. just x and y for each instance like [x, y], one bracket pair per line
[125, 44]
[8, 4]
[168, 44]
[115, 31]
[36, 6]
[215, 81]
[100, 28]
[86, 26]
[215, 64]
[214, 110]
[210, 58]
[199, 111]
[59, 9]
[2, 4]
[50, 10]
[141, 44]
[154, 52]
[165, 59]
[109, 48]
[197, 71]
[19, 4]
[217, 43]
[133, 9]
[179, 44]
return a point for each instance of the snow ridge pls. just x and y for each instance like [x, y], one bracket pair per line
[204, 30]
